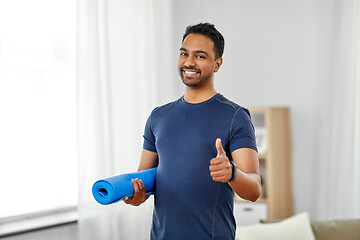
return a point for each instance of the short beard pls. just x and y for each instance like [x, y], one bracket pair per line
[191, 85]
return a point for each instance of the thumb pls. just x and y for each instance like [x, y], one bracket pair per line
[219, 148]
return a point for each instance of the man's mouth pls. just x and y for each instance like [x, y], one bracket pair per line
[189, 73]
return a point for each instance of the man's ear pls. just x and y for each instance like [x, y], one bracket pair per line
[218, 63]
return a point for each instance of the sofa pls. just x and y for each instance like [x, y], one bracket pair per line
[347, 229]
[300, 227]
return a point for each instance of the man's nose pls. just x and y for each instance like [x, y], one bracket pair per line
[189, 62]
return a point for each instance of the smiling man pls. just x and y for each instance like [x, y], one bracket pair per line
[204, 147]
[198, 61]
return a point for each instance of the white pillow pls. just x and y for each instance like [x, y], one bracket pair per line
[297, 227]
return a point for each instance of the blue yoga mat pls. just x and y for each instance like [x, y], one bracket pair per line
[114, 189]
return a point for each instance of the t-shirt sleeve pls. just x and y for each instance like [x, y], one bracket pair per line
[242, 131]
[149, 138]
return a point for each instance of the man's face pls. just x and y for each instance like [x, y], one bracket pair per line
[197, 62]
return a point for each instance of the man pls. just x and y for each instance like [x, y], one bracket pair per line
[204, 147]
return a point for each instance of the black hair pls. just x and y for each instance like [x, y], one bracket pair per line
[210, 31]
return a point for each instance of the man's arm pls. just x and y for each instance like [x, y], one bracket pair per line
[148, 160]
[247, 183]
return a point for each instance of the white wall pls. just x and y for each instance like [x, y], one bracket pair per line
[277, 53]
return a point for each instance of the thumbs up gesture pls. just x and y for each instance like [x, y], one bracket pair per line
[220, 167]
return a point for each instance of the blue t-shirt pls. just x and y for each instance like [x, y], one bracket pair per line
[188, 203]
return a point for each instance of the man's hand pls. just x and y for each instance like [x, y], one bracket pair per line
[220, 167]
[139, 193]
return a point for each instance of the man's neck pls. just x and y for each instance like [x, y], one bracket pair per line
[197, 95]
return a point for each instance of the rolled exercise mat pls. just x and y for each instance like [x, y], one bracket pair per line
[114, 189]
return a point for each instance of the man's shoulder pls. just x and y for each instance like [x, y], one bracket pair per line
[231, 104]
[165, 107]
[222, 99]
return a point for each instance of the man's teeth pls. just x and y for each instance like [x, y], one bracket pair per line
[188, 72]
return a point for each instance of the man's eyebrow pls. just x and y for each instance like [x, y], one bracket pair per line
[198, 51]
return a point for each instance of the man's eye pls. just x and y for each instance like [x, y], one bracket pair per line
[183, 54]
[200, 56]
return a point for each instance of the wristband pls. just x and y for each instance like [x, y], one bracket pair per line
[233, 171]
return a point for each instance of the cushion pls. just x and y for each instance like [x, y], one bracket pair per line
[294, 228]
[345, 229]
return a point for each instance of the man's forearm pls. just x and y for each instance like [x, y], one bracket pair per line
[246, 185]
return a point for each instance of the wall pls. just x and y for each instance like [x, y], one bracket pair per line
[277, 53]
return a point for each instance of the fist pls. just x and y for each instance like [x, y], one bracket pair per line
[220, 167]
[139, 193]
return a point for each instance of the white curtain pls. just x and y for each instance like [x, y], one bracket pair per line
[338, 194]
[124, 71]
[350, 170]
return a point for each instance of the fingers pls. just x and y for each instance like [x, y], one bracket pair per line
[220, 150]
[135, 183]
[138, 186]
[139, 193]
[219, 160]
[220, 169]
[219, 163]
[221, 177]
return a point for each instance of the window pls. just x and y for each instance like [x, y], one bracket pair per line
[38, 150]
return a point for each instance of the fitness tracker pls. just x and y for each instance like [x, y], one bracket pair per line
[233, 171]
